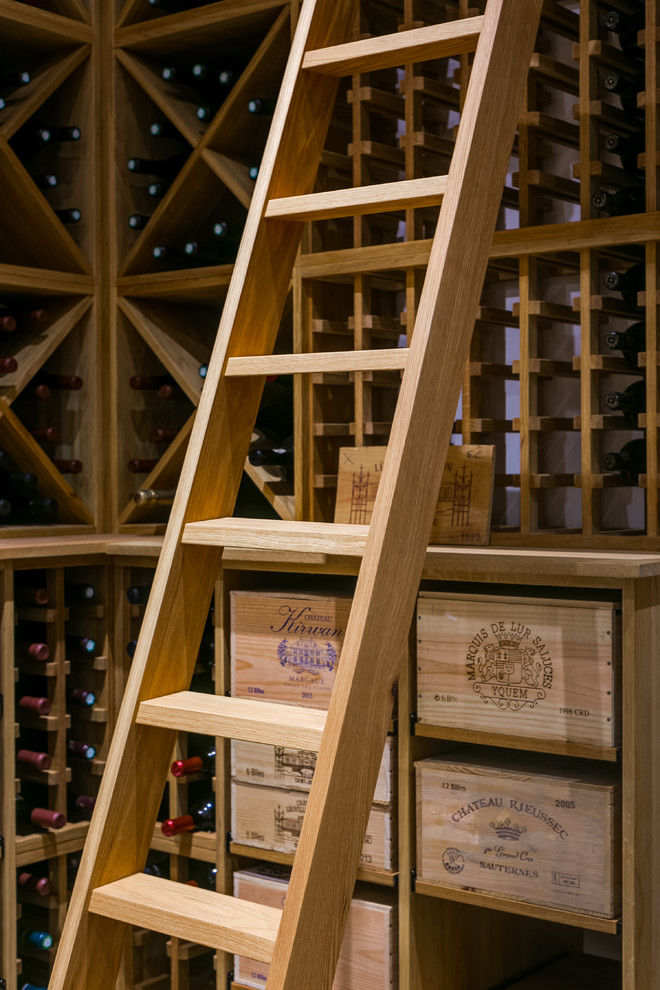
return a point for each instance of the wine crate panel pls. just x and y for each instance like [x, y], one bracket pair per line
[537, 668]
[285, 647]
[271, 818]
[464, 506]
[368, 956]
[277, 766]
[538, 830]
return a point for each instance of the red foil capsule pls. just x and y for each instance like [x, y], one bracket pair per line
[41, 706]
[42, 761]
[47, 819]
[40, 885]
[174, 826]
[181, 768]
[33, 651]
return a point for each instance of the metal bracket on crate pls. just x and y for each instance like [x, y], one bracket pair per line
[230, 979]
[413, 880]
[414, 719]
[228, 841]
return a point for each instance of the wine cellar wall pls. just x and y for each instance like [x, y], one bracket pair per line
[109, 313]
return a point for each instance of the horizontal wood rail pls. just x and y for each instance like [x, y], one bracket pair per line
[363, 200]
[387, 359]
[390, 50]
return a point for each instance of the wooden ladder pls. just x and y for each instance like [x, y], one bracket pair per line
[302, 941]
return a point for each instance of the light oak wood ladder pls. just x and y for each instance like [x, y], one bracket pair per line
[302, 942]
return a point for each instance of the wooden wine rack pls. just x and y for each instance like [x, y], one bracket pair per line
[537, 374]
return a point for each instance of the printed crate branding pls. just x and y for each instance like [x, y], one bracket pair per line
[280, 766]
[540, 830]
[525, 667]
[271, 818]
[285, 647]
[367, 960]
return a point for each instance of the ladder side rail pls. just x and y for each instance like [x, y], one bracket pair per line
[328, 851]
[121, 828]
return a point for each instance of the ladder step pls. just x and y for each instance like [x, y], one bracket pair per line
[236, 718]
[191, 913]
[381, 198]
[387, 359]
[391, 50]
[344, 539]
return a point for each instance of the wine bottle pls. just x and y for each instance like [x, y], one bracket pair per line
[131, 648]
[12, 79]
[84, 805]
[626, 88]
[32, 986]
[30, 595]
[628, 283]
[138, 221]
[619, 203]
[8, 365]
[163, 435]
[262, 106]
[216, 252]
[155, 497]
[6, 508]
[200, 817]
[171, 255]
[163, 129]
[202, 874]
[162, 168]
[35, 511]
[64, 382]
[202, 763]
[68, 466]
[149, 383]
[142, 465]
[138, 594]
[34, 883]
[35, 939]
[84, 645]
[630, 461]
[72, 215]
[253, 172]
[35, 136]
[280, 456]
[40, 706]
[41, 817]
[171, 392]
[45, 181]
[45, 434]
[41, 392]
[76, 592]
[82, 750]
[22, 484]
[630, 402]
[626, 27]
[203, 370]
[85, 699]
[32, 651]
[33, 758]
[7, 320]
[158, 189]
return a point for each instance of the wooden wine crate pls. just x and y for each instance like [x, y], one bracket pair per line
[272, 817]
[285, 647]
[279, 766]
[465, 500]
[539, 668]
[367, 960]
[542, 830]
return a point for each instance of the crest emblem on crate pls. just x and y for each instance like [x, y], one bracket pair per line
[510, 669]
[307, 654]
[506, 829]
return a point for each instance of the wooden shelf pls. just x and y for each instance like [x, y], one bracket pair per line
[534, 745]
[512, 906]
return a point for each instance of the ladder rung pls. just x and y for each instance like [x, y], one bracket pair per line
[236, 718]
[386, 359]
[191, 913]
[391, 50]
[279, 534]
[380, 198]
